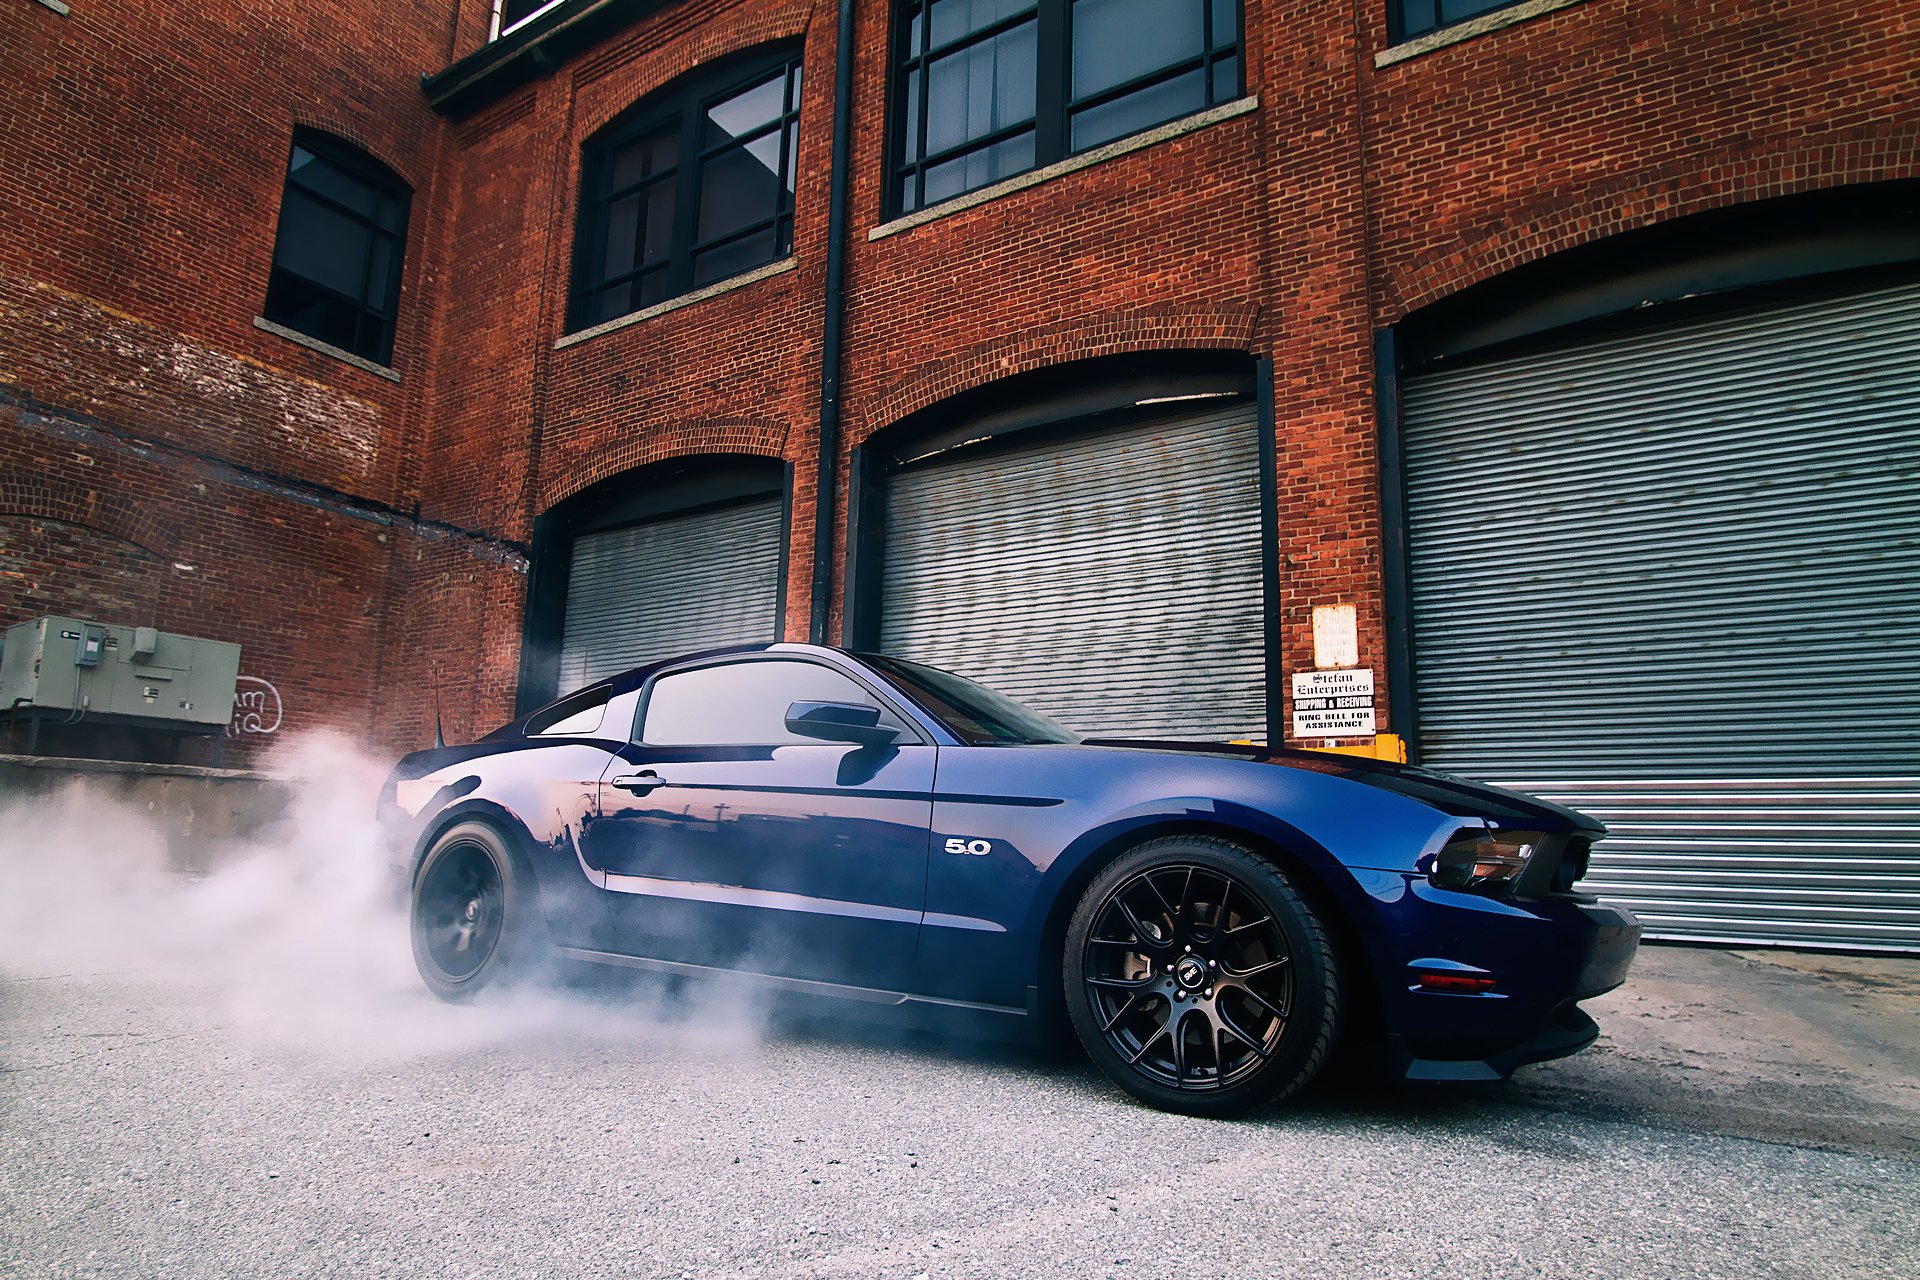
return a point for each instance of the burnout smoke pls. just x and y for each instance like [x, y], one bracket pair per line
[299, 933]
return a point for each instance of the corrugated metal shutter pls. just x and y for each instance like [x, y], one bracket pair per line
[1673, 578]
[671, 586]
[1111, 580]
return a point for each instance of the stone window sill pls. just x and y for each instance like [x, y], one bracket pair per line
[325, 348]
[1471, 29]
[1072, 164]
[714, 290]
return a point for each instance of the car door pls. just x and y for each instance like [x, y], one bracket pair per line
[728, 840]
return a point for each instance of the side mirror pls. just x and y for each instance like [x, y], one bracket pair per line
[839, 722]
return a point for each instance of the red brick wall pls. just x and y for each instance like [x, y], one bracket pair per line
[1352, 195]
[162, 460]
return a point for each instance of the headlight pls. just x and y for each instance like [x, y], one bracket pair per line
[1485, 858]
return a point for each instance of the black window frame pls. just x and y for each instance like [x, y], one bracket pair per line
[1411, 19]
[682, 104]
[375, 325]
[1054, 104]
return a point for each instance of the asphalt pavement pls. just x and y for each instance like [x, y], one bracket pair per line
[155, 1124]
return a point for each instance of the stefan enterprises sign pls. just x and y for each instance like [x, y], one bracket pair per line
[1332, 704]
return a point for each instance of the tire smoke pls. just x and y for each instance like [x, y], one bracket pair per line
[296, 934]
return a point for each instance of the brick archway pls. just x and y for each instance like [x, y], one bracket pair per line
[656, 55]
[750, 436]
[1694, 183]
[1156, 329]
[112, 514]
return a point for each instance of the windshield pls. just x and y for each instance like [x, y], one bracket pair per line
[977, 715]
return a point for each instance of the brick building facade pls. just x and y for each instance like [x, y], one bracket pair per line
[1364, 184]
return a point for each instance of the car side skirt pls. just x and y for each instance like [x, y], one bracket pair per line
[799, 986]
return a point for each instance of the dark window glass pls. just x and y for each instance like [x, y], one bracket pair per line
[743, 703]
[985, 89]
[337, 254]
[691, 186]
[581, 714]
[1409, 18]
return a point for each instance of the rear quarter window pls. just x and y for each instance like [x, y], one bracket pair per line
[571, 717]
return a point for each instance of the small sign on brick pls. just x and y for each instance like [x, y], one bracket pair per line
[1333, 704]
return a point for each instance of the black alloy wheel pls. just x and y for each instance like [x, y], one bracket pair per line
[466, 901]
[1199, 979]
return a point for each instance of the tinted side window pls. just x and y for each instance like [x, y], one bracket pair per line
[741, 703]
[580, 714]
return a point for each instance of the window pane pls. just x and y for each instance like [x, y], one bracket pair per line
[298, 304]
[1417, 17]
[983, 88]
[1226, 23]
[1115, 41]
[1141, 109]
[744, 112]
[579, 714]
[392, 214]
[324, 178]
[623, 234]
[910, 137]
[1460, 10]
[657, 238]
[739, 188]
[651, 287]
[736, 256]
[1226, 79]
[978, 168]
[740, 704]
[953, 19]
[615, 301]
[645, 156]
[642, 223]
[322, 244]
[380, 263]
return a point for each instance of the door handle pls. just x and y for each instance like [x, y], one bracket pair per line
[639, 783]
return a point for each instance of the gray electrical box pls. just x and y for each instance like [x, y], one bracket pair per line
[95, 669]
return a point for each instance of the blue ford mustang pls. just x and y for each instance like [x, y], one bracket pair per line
[1211, 918]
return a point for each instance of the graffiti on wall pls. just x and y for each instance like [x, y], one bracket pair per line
[256, 707]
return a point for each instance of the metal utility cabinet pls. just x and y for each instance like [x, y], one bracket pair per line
[72, 670]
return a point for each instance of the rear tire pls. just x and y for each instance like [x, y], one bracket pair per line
[471, 912]
[1199, 979]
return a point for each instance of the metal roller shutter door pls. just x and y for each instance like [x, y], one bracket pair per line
[671, 586]
[1673, 579]
[1112, 581]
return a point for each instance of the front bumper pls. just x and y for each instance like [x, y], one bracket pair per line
[1542, 957]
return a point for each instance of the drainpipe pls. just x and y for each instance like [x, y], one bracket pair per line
[833, 324]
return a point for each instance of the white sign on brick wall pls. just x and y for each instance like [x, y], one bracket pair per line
[1333, 704]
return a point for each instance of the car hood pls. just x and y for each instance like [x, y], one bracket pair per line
[1460, 797]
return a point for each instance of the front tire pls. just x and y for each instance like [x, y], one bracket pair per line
[470, 914]
[1199, 979]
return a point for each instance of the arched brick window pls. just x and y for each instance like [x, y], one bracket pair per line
[337, 255]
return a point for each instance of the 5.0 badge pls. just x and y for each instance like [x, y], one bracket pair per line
[976, 848]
